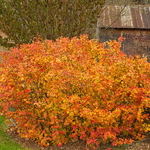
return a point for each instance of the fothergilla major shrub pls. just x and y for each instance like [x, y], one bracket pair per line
[72, 89]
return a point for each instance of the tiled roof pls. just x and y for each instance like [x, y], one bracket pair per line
[117, 16]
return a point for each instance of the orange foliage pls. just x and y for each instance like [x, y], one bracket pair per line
[75, 89]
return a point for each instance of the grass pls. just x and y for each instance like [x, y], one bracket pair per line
[6, 142]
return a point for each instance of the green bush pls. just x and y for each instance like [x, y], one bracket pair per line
[21, 20]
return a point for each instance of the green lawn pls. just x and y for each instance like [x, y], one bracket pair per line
[6, 143]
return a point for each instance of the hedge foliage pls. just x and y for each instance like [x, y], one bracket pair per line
[75, 89]
[21, 20]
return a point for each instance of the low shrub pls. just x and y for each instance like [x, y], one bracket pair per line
[72, 89]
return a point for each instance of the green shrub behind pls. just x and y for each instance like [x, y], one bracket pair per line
[21, 20]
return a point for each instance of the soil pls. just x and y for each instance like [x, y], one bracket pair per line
[79, 145]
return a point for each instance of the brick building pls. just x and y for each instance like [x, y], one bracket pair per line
[132, 22]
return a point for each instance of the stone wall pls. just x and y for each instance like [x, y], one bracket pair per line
[4, 36]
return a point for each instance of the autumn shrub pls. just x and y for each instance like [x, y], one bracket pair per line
[75, 89]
